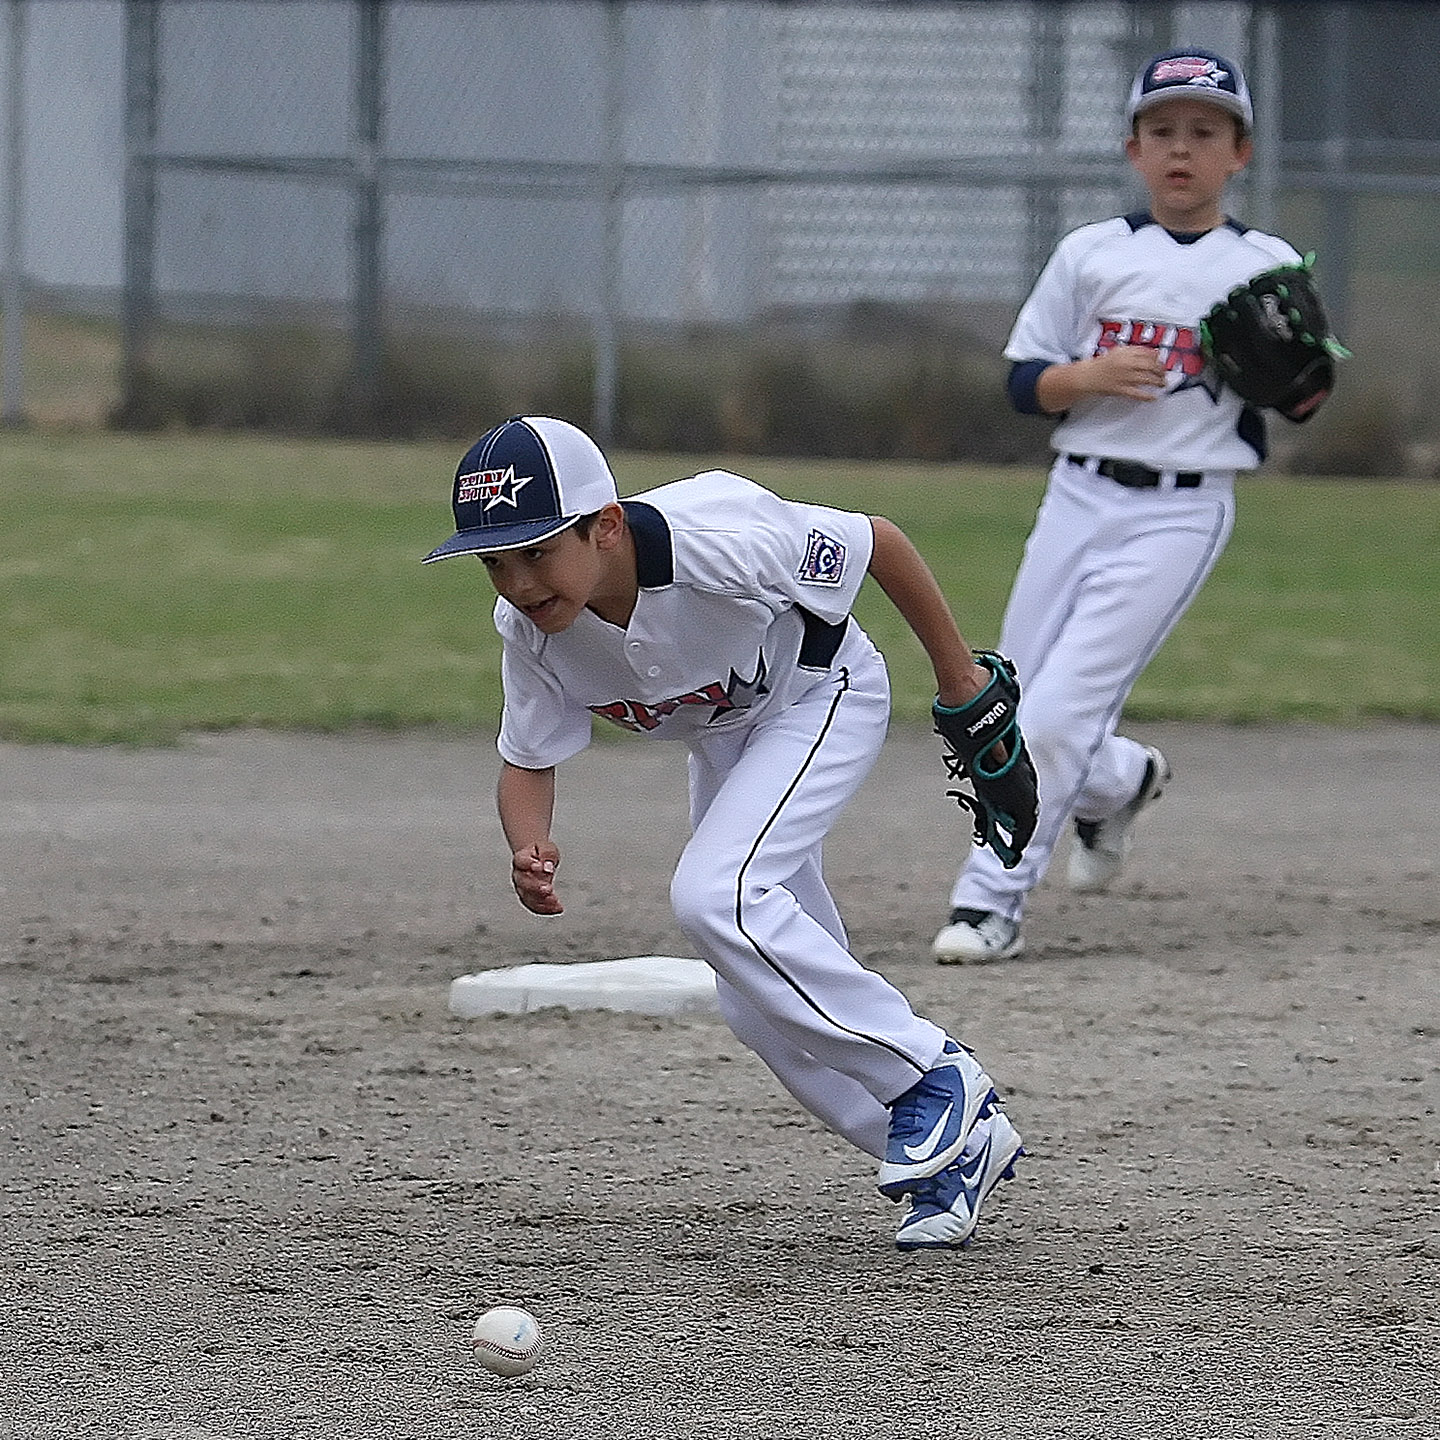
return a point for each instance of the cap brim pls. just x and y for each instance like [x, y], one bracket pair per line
[499, 537]
[1220, 99]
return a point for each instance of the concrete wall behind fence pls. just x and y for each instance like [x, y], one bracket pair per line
[256, 144]
[664, 163]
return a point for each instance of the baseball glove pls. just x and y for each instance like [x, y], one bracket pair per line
[985, 747]
[1270, 341]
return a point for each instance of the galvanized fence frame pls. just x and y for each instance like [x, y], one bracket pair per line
[1327, 166]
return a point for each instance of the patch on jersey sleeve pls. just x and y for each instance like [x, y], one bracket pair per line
[824, 562]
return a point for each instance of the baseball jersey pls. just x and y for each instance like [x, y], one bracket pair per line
[1129, 281]
[743, 598]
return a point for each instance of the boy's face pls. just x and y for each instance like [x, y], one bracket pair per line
[1185, 151]
[552, 581]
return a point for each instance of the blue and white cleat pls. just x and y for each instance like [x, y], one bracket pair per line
[932, 1120]
[945, 1210]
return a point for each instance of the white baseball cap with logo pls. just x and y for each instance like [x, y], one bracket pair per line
[1191, 75]
[527, 479]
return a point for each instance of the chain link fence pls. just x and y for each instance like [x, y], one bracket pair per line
[722, 224]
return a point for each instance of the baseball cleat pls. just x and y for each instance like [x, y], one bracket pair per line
[945, 1209]
[931, 1121]
[974, 936]
[1100, 846]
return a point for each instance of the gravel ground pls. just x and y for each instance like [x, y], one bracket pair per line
[258, 1181]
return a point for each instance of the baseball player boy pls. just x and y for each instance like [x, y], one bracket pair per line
[1140, 498]
[712, 612]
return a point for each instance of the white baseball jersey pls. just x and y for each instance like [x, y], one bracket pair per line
[735, 583]
[741, 645]
[1109, 570]
[1128, 281]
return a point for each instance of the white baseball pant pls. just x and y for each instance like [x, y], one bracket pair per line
[749, 894]
[1107, 572]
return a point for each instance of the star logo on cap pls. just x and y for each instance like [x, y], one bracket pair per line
[508, 486]
[494, 487]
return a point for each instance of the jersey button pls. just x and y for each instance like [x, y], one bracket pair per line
[653, 671]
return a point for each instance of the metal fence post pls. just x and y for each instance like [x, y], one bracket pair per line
[12, 341]
[366, 282]
[1264, 64]
[1337, 257]
[142, 38]
[1047, 76]
[610, 200]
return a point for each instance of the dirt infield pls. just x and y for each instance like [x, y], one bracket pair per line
[258, 1181]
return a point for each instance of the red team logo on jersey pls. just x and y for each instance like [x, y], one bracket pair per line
[729, 698]
[1179, 345]
[637, 716]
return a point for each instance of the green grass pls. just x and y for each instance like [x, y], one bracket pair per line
[154, 586]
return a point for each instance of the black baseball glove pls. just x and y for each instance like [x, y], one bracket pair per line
[1270, 341]
[985, 747]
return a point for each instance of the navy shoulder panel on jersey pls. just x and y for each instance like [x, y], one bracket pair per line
[1251, 429]
[1020, 386]
[654, 550]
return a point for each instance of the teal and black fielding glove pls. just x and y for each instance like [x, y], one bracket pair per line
[1270, 341]
[984, 746]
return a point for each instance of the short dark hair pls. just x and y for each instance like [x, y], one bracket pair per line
[1241, 133]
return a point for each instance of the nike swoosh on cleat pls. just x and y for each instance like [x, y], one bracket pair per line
[931, 1143]
[973, 1168]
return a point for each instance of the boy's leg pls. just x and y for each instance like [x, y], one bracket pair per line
[1041, 601]
[748, 891]
[762, 805]
[1134, 589]
[840, 1103]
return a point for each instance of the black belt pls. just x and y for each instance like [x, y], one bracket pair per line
[1138, 477]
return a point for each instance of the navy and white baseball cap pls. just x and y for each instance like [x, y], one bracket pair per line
[523, 481]
[1191, 75]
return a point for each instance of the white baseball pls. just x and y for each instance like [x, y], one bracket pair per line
[508, 1340]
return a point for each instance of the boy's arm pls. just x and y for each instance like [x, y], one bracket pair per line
[1127, 372]
[976, 708]
[901, 572]
[526, 800]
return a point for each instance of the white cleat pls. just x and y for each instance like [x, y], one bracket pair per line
[931, 1123]
[1100, 847]
[974, 937]
[945, 1210]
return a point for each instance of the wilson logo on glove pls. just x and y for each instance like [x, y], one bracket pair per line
[984, 746]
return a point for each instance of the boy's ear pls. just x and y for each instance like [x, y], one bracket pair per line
[609, 526]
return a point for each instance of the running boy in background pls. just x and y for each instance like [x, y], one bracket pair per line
[712, 612]
[1140, 499]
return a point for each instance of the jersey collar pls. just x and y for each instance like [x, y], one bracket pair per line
[1138, 219]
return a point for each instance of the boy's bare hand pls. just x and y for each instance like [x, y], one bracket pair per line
[532, 872]
[1131, 372]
